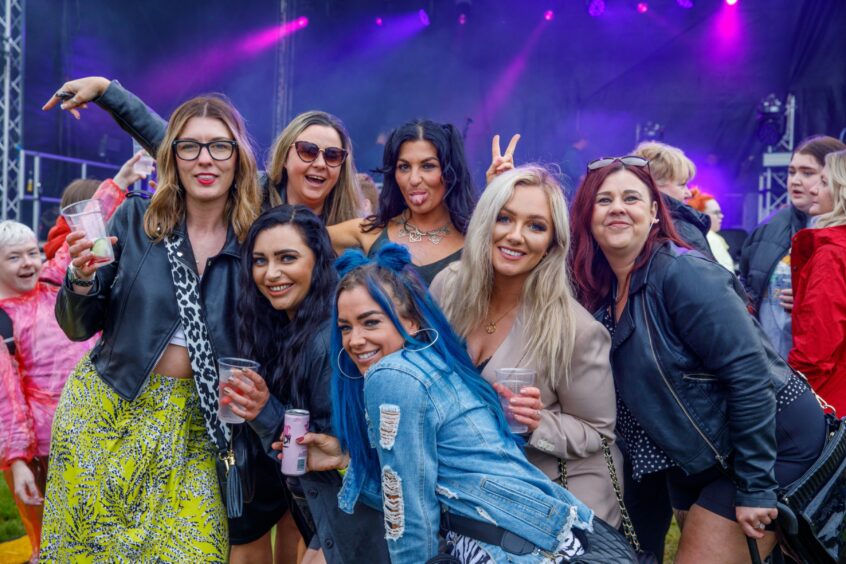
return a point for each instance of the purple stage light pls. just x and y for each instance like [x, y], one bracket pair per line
[686, 4]
[423, 17]
[379, 21]
[462, 19]
[596, 7]
[549, 15]
[642, 7]
[302, 22]
[731, 2]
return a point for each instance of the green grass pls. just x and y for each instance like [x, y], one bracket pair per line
[10, 524]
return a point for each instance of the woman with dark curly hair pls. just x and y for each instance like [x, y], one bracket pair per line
[285, 308]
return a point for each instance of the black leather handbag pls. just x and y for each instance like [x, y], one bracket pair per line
[814, 528]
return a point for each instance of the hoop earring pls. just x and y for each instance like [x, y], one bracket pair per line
[341, 370]
[432, 342]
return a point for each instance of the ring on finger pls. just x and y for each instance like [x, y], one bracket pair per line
[760, 526]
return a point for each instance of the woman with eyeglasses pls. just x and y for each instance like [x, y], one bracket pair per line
[311, 164]
[311, 160]
[136, 436]
[701, 392]
[426, 199]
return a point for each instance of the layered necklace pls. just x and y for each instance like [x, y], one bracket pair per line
[415, 235]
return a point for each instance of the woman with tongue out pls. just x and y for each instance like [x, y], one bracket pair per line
[426, 199]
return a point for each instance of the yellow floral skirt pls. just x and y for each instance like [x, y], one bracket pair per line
[131, 481]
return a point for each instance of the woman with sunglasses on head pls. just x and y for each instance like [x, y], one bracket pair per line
[426, 436]
[522, 314]
[311, 165]
[136, 433]
[288, 281]
[426, 199]
[311, 162]
[702, 393]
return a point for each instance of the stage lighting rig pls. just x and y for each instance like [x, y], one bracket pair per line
[649, 131]
[595, 8]
[463, 11]
[771, 122]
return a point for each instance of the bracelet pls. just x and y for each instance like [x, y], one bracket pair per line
[75, 280]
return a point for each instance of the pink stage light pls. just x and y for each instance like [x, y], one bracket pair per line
[642, 7]
[549, 15]
[379, 21]
[731, 2]
[462, 19]
[302, 22]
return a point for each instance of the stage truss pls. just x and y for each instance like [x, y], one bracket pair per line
[11, 106]
[772, 182]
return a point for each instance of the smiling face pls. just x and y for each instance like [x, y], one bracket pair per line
[822, 197]
[522, 233]
[419, 176]
[803, 175]
[311, 183]
[282, 267]
[623, 215]
[20, 265]
[205, 179]
[367, 333]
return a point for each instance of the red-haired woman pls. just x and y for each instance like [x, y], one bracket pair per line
[701, 394]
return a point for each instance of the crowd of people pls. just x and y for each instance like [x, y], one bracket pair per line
[669, 380]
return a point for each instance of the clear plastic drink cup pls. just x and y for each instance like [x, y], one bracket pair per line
[87, 216]
[144, 165]
[514, 380]
[226, 368]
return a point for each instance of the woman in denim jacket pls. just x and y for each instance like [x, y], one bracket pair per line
[425, 431]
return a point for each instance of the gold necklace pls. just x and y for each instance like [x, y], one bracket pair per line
[491, 328]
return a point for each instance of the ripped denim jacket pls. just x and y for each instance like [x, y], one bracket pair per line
[439, 450]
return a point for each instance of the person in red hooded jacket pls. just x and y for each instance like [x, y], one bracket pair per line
[818, 260]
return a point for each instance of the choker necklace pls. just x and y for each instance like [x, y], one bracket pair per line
[491, 328]
[414, 234]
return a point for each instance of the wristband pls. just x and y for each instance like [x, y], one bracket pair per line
[75, 280]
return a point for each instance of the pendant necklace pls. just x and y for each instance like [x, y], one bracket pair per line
[491, 328]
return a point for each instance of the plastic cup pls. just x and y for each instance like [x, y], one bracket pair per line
[514, 380]
[87, 216]
[144, 165]
[225, 368]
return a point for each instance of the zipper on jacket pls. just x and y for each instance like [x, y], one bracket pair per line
[717, 454]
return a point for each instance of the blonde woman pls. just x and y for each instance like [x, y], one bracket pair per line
[135, 435]
[522, 314]
[310, 163]
[819, 277]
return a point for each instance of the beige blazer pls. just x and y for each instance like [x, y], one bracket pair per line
[575, 414]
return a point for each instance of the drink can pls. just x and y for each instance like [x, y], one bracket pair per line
[295, 455]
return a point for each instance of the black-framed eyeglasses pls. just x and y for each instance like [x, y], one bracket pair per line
[189, 150]
[628, 160]
[308, 153]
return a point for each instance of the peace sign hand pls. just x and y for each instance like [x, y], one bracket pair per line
[501, 162]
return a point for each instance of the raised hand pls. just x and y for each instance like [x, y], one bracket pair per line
[501, 162]
[75, 94]
[127, 175]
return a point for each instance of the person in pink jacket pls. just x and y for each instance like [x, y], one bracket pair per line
[32, 379]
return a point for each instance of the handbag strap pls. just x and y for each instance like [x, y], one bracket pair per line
[200, 351]
[628, 526]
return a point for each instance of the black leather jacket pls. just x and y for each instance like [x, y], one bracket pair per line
[691, 225]
[697, 372]
[765, 248]
[133, 303]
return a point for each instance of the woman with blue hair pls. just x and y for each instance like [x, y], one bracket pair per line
[426, 434]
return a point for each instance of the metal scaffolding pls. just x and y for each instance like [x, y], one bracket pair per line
[775, 161]
[11, 105]
[282, 98]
